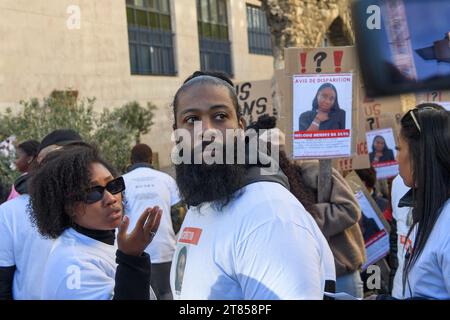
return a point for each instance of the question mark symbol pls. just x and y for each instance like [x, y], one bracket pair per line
[434, 95]
[318, 58]
[371, 121]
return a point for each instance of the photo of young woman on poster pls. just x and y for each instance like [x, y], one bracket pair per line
[380, 151]
[326, 113]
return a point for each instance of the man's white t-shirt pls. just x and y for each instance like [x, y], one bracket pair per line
[22, 245]
[146, 187]
[403, 219]
[430, 275]
[79, 268]
[262, 245]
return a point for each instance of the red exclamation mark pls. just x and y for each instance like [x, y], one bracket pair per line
[303, 61]
[338, 59]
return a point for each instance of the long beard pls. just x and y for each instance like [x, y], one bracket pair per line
[202, 183]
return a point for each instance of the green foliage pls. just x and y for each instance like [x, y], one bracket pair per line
[136, 118]
[113, 131]
[7, 176]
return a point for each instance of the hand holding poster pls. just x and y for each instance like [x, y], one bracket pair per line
[322, 115]
[382, 152]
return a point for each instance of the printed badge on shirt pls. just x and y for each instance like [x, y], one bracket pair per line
[189, 236]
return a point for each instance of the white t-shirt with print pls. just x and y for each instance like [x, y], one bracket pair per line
[403, 219]
[430, 275]
[146, 187]
[22, 245]
[79, 268]
[263, 245]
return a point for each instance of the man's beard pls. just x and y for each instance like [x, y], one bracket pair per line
[216, 183]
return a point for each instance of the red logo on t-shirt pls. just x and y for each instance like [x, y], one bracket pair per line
[190, 235]
[405, 242]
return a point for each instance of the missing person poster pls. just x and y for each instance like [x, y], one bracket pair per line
[382, 152]
[374, 227]
[376, 237]
[322, 115]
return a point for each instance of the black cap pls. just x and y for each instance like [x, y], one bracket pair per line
[60, 137]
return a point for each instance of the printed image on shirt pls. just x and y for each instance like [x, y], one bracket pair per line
[180, 267]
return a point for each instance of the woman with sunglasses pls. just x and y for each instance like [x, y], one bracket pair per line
[76, 200]
[424, 164]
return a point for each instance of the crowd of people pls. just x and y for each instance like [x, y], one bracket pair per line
[75, 228]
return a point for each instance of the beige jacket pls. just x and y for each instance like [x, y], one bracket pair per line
[338, 219]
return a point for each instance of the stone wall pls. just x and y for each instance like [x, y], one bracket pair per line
[305, 23]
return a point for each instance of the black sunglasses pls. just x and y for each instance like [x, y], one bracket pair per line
[96, 193]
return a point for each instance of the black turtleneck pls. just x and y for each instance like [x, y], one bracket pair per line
[132, 281]
[105, 236]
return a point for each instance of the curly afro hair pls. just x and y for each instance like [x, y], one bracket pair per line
[61, 182]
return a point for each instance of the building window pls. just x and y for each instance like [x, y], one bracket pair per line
[215, 47]
[150, 37]
[259, 38]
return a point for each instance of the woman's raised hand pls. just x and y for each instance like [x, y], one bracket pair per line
[134, 244]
